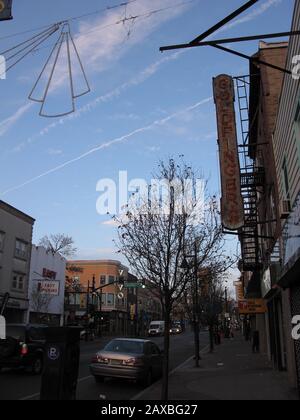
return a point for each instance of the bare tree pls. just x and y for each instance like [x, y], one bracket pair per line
[60, 243]
[155, 235]
[40, 303]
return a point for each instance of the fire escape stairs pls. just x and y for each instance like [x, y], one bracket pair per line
[252, 178]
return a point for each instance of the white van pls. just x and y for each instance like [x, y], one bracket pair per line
[156, 328]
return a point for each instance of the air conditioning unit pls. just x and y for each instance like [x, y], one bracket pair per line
[285, 209]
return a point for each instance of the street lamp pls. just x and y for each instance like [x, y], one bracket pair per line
[186, 267]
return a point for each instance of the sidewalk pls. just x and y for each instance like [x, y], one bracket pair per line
[232, 372]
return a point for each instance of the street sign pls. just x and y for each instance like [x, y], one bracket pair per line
[134, 286]
[131, 285]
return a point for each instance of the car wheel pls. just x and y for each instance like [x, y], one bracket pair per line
[99, 379]
[37, 366]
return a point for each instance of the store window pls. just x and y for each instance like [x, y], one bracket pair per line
[21, 250]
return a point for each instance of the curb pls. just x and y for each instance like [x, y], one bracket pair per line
[138, 396]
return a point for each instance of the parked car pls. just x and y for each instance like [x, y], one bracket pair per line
[156, 328]
[23, 347]
[126, 358]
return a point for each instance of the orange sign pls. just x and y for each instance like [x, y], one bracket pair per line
[252, 306]
[239, 290]
[232, 202]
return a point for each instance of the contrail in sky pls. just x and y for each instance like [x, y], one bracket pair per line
[109, 143]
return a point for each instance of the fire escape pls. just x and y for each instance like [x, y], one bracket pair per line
[252, 182]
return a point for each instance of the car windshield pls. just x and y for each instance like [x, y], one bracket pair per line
[15, 332]
[125, 346]
[155, 326]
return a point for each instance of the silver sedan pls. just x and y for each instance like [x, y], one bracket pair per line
[136, 359]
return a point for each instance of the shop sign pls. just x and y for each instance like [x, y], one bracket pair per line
[232, 210]
[252, 306]
[266, 283]
[48, 287]
[5, 9]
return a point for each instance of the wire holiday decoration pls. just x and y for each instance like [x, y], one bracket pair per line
[66, 40]
[65, 50]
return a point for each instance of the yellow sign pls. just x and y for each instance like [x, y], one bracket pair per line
[252, 306]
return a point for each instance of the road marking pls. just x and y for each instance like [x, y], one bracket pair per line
[139, 395]
[84, 379]
[30, 397]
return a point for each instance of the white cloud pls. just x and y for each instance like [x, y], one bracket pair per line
[259, 10]
[110, 222]
[54, 152]
[9, 122]
[110, 143]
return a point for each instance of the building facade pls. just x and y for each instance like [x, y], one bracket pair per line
[274, 147]
[287, 157]
[110, 302]
[46, 291]
[15, 252]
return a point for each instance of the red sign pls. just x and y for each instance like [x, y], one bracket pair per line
[48, 274]
[232, 208]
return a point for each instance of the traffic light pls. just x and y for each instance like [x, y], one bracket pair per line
[5, 9]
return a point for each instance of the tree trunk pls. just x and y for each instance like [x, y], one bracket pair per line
[211, 338]
[165, 382]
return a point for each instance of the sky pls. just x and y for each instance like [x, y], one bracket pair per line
[143, 105]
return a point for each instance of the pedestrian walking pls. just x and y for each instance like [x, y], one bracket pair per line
[255, 342]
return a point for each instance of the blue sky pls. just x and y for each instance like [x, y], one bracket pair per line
[132, 86]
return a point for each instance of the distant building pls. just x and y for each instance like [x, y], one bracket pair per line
[15, 252]
[111, 308]
[46, 289]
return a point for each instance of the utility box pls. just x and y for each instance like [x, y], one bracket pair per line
[62, 354]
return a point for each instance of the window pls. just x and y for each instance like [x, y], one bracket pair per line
[103, 299]
[2, 237]
[18, 281]
[102, 280]
[110, 299]
[21, 249]
[111, 279]
[286, 183]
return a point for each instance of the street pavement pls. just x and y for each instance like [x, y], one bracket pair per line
[232, 372]
[19, 385]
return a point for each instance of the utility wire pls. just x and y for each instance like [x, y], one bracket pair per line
[69, 19]
[132, 19]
